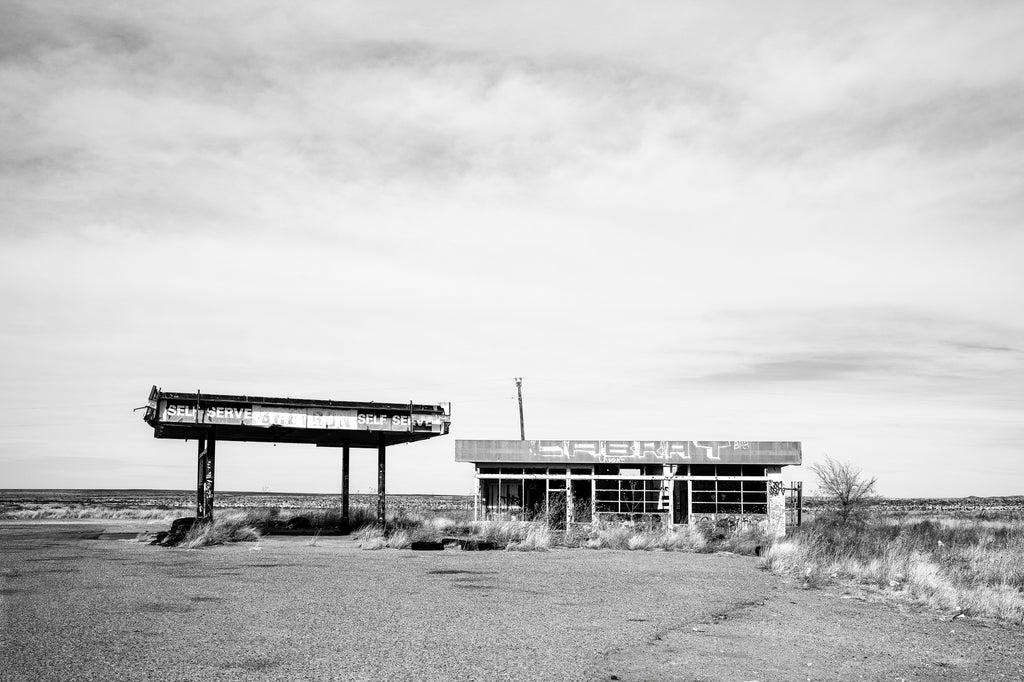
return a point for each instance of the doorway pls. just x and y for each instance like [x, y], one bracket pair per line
[582, 501]
[680, 502]
[533, 499]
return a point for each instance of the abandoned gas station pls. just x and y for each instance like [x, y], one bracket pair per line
[560, 481]
[665, 482]
[209, 419]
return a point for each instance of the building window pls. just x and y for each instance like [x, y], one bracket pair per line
[628, 497]
[724, 470]
[729, 497]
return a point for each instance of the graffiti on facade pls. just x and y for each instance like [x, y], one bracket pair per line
[624, 451]
[729, 522]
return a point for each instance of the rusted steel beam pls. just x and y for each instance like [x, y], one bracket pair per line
[380, 480]
[344, 488]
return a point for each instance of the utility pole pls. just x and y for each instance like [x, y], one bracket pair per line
[522, 427]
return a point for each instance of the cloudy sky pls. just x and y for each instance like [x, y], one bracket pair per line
[752, 221]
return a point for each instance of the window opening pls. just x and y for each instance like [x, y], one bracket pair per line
[729, 497]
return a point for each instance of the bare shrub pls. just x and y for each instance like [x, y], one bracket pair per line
[845, 488]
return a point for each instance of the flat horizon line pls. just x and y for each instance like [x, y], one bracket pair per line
[280, 492]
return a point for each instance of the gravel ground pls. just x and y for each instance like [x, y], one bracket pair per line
[82, 602]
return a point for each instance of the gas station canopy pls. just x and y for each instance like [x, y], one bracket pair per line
[328, 423]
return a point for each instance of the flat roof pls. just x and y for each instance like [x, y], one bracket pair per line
[328, 423]
[628, 451]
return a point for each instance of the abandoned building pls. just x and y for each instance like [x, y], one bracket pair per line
[666, 482]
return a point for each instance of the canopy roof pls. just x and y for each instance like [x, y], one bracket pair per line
[329, 423]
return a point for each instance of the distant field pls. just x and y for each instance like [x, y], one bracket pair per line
[939, 505]
[15, 500]
[27, 504]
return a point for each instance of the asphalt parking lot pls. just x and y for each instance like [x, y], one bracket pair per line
[85, 602]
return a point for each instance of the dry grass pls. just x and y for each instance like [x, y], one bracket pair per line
[371, 537]
[226, 527]
[537, 539]
[536, 536]
[74, 511]
[639, 538]
[321, 518]
[964, 565]
[374, 537]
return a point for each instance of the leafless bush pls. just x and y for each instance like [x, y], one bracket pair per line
[845, 489]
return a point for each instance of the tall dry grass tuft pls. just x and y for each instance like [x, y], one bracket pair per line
[370, 537]
[965, 565]
[537, 539]
[226, 527]
[500, 532]
[374, 537]
[610, 536]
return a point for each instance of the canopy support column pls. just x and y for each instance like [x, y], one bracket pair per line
[380, 480]
[344, 488]
[204, 482]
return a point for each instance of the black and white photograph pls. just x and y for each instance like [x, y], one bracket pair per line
[444, 340]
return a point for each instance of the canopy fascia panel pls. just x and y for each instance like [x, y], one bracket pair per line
[327, 423]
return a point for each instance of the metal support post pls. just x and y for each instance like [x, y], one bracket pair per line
[522, 425]
[380, 480]
[344, 488]
[211, 454]
[200, 477]
[204, 485]
[799, 501]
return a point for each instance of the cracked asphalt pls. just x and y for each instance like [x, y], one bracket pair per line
[83, 602]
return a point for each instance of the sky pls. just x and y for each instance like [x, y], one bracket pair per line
[675, 220]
